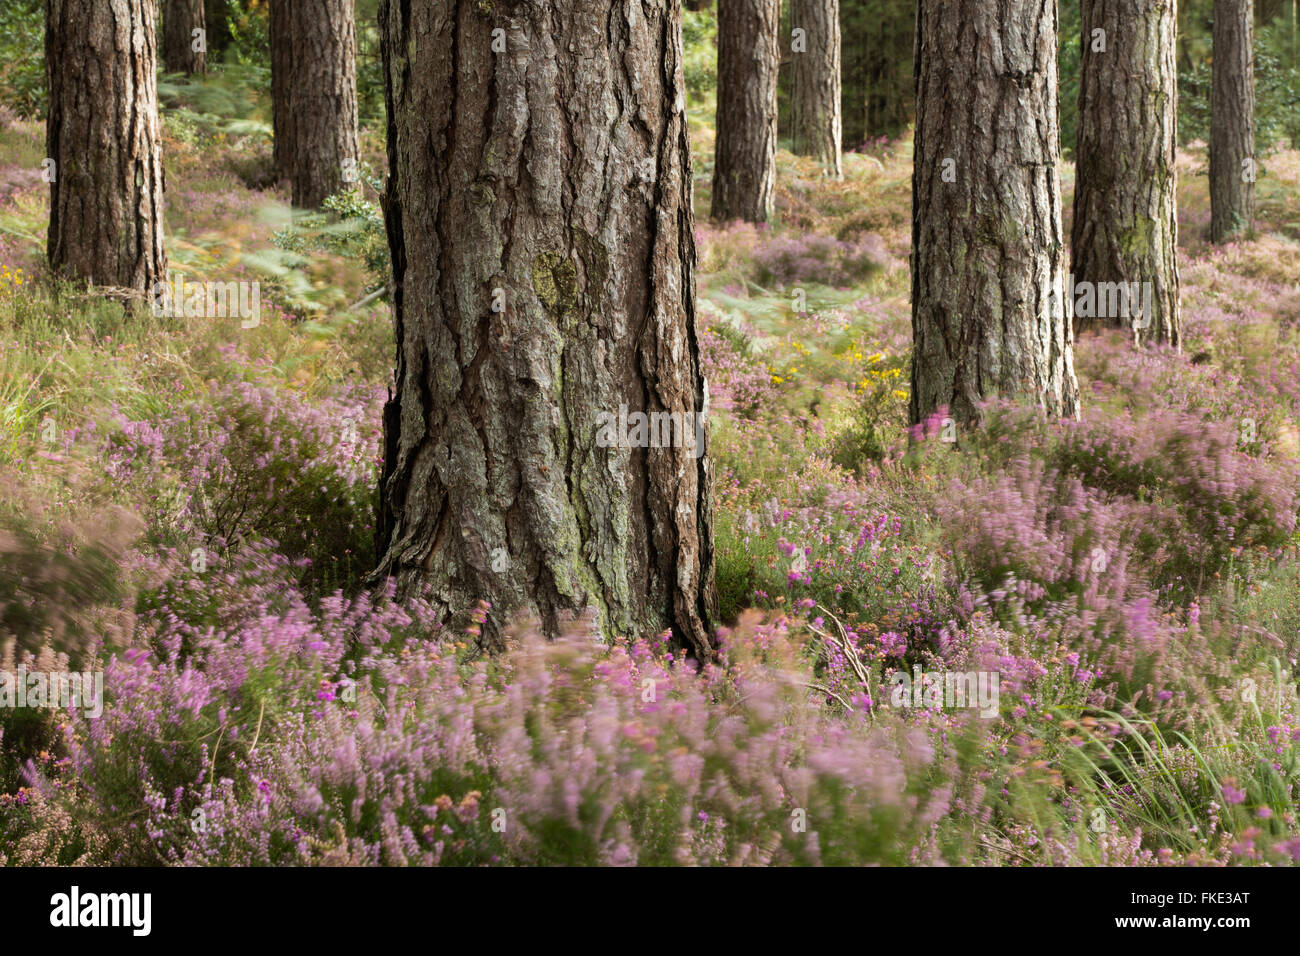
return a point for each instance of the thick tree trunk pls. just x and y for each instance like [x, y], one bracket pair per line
[102, 131]
[1232, 121]
[539, 219]
[744, 169]
[1125, 217]
[323, 91]
[988, 311]
[180, 19]
[815, 82]
[280, 36]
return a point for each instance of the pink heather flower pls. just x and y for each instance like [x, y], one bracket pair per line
[893, 644]
[1291, 848]
[1233, 796]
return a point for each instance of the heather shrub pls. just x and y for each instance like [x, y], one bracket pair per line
[824, 260]
[183, 720]
[255, 751]
[1039, 548]
[253, 461]
[38, 831]
[725, 250]
[738, 384]
[1228, 499]
[58, 571]
[1213, 502]
[27, 732]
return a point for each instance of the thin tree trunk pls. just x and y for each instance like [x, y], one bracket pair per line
[102, 132]
[1232, 121]
[1125, 214]
[1268, 10]
[280, 36]
[180, 19]
[744, 169]
[988, 313]
[539, 219]
[323, 93]
[815, 83]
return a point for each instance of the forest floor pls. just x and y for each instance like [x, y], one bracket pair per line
[186, 502]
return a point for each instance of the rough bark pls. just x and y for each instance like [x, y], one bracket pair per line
[744, 169]
[180, 19]
[102, 131]
[988, 311]
[1232, 121]
[815, 83]
[280, 36]
[551, 180]
[323, 98]
[1125, 217]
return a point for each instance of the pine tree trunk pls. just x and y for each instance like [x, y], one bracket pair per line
[102, 131]
[323, 94]
[539, 219]
[988, 311]
[1269, 10]
[1232, 121]
[815, 83]
[180, 19]
[280, 36]
[1125, 217]
[744, 169]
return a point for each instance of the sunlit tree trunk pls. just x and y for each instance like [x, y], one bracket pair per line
[314, 97]
[103, 136]
[1125, 210]
[180, 19]
[988, 310]
[744, 169]
[543, 262]
[1232, 121]
[815, 82]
